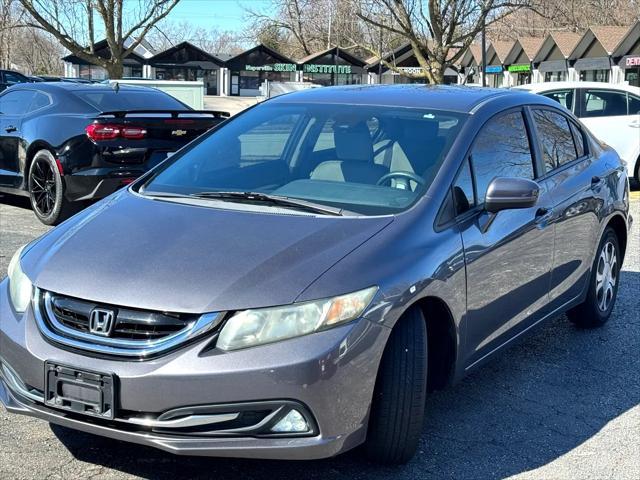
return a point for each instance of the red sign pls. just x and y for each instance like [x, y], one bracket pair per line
[633, 61]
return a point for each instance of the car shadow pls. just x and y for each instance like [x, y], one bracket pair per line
[531, 405]
[15, 201]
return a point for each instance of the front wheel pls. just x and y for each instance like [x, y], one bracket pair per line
[46, 190]
[603, 284]
[397, 410]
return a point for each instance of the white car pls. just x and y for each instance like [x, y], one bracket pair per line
[611, 112]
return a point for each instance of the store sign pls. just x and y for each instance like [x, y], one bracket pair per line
[493, 69]
[523, 67]
[311, 68]
[276, 67]
[409, 70]
[633, 62]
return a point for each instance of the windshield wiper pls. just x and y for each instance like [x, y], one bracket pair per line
[278, 200]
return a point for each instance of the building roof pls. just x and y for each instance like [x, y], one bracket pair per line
[607, 36]
[565, 41]
[334, 51]
[528, 45]
[259, 50]
[502, 48]
[193, 54]
[629, 39]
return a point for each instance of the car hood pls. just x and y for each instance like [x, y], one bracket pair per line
[160, 255]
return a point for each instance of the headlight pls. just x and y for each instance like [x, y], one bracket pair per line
[19, 285]
[256, 327]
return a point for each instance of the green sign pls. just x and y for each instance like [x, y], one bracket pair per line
[311, 68]
[523, 67]
[276, 67]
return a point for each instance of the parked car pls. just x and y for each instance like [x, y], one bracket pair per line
[64, 144]
[9, 77]
[292, 284]
[611, 112]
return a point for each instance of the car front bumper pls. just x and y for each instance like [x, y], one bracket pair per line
[330, 374]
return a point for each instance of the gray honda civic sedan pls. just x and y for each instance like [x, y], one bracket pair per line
[292, 284]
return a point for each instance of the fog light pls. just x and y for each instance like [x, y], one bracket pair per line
[292, 422]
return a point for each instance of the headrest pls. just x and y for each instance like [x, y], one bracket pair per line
[353, 142]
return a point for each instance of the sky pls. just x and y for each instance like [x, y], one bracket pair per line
[220, 14]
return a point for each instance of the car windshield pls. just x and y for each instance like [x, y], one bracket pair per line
[105, 100]
[367, 160]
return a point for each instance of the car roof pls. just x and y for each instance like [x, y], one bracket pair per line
[546, 86]
[455, 98]
[84, 87]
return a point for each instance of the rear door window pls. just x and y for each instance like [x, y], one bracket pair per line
[556, 138]
[634, 105]
[501, 149]
[563, 97]
[16, 102]
[604, 103]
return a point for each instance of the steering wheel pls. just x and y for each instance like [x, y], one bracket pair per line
[403, 175]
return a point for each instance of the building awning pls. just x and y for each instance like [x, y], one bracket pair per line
[553, 66]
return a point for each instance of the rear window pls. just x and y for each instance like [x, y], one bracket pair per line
[106, 101]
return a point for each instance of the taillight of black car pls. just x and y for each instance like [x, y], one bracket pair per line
[106, 131]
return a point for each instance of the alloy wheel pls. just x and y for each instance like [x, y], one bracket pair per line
[43, 186]
[606, 276]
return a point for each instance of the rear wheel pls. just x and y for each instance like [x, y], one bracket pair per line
[397, 410]
[46, 190]
[603, 284]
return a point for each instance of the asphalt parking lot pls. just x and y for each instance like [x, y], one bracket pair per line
[564, 403]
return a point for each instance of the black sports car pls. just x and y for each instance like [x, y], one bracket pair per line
[67, 144]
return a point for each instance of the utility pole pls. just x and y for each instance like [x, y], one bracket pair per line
[484, 54]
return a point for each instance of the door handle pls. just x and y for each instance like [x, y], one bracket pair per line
[543, 215]
[10, 129]
[635, 124]
[596, 181]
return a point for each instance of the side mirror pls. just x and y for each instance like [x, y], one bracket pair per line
[506, 193]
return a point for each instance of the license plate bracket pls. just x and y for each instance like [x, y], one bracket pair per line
[80, 391]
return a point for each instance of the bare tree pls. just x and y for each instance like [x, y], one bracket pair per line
[566, 15]
[169, 33]
[71, 22]
[438, 30]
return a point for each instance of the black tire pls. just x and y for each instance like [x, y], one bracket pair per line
[601, 297]
[46, 190]
[397, 410]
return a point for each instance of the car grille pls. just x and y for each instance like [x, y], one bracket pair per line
[126, 332]
[128, 324]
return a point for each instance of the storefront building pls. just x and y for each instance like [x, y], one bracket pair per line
[248, 70]
[591, 58]
[627, 56]
[552, 58]
[519, 60]
[188, 62]
[134, 64]
[333, 67]
[494, 71]
[406, 68]
[471, 65]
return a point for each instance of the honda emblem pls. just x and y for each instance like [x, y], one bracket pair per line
[101, 321]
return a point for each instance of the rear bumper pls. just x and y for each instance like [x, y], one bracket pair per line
[331, 374]
[98, 183]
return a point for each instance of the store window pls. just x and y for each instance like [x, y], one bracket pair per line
[632, 75]
[594, 75]
[560, 76]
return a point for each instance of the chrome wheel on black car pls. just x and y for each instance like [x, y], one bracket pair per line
[46, 189]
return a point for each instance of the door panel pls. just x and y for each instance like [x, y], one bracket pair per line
[508, 274]
[576, 202]
[13, 106]
[507, 255]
